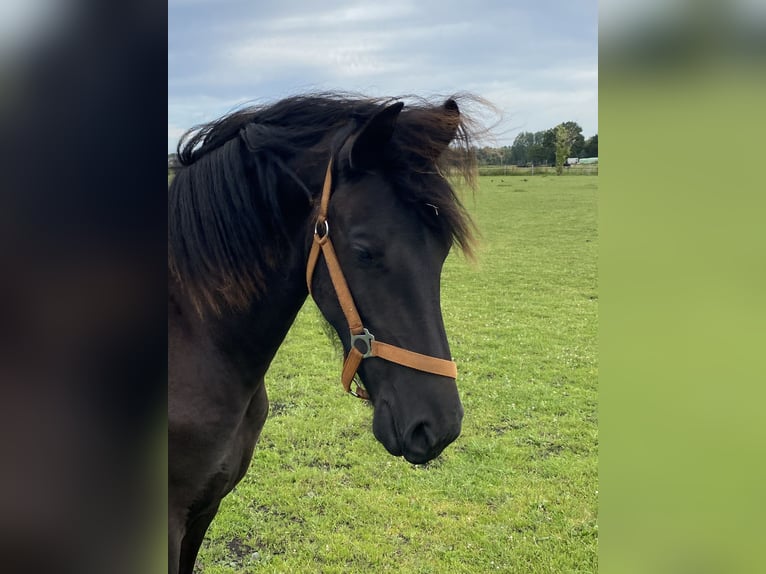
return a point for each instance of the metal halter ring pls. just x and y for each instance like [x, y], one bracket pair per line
[326, 228]
[367, 338]
[358, 391]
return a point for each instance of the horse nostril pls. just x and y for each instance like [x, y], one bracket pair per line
[419, 444]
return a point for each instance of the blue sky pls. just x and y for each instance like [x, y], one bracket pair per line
[537, 62]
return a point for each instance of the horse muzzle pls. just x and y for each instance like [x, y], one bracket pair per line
[419, 440]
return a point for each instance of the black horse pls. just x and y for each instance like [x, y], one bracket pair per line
[256, 190]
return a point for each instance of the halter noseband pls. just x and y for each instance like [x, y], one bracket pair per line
[363, 343]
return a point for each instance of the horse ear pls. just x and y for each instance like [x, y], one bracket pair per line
[443, 137]
[368, 145]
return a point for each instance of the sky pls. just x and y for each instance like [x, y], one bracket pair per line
[536, 62]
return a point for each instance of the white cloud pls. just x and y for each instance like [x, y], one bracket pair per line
[342, 17]
[352, 57]
[537, 63]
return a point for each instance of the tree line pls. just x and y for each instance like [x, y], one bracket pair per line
[547, 147]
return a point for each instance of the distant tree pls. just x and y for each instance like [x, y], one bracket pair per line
[483, 155]
[548, 142]
[173, 160]
[521, 148]
[505, 155]
[541, 148]
[537, 152]
[566, 135]
[578, 144]
[533, 148]
[590, 149]
[494, 155]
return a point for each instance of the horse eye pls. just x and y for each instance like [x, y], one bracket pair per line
[365, 255]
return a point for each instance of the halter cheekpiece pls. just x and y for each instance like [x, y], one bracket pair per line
[363, 343]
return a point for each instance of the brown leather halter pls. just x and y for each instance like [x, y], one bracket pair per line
[363, 343]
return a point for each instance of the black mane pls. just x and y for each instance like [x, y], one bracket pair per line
[246, 181]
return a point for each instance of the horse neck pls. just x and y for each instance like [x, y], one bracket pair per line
[249, 339]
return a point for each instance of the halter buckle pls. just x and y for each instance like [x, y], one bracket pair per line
[367, 339]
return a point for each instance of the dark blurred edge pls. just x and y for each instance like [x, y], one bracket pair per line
[83, 368]
[682, 281]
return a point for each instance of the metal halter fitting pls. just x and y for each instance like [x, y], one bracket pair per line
[363, 343]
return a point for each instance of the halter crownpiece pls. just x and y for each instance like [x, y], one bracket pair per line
[363, 343]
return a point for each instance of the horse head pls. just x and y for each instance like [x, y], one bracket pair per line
[391, 218]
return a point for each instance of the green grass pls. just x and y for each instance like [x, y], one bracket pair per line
[516, 492]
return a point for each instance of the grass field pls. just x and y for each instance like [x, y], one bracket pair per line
[517, 491]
